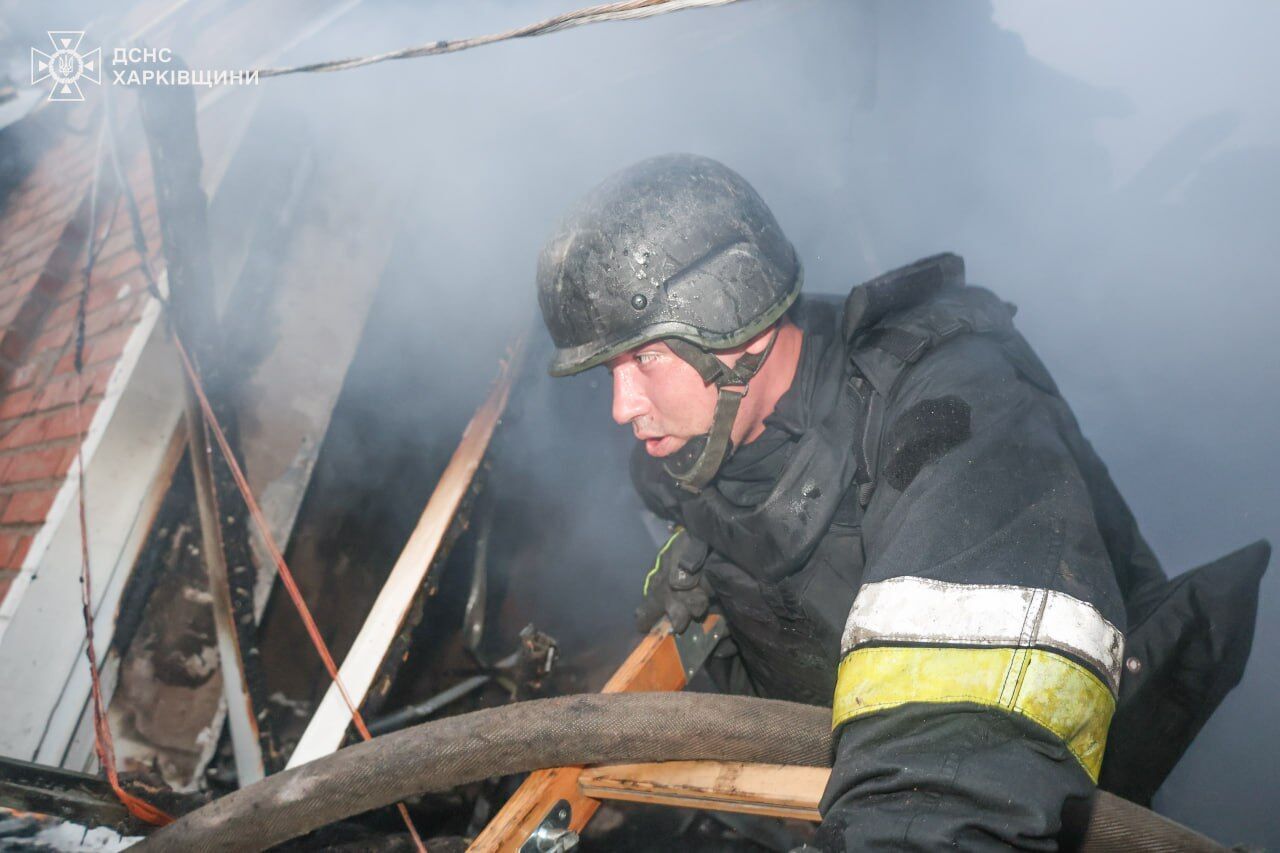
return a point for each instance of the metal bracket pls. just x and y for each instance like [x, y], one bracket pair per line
[553, 835]
[694, 645]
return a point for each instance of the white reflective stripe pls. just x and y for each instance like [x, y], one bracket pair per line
[921, 610]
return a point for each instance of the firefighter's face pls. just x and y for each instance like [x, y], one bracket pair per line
[661, 396]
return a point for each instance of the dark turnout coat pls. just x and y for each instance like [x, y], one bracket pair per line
[923, 539]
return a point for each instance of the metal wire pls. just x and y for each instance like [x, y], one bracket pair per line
[628, 10]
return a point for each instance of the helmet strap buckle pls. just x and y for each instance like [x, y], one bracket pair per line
[696, 464]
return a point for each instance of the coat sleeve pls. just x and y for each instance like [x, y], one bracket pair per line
[980, 661]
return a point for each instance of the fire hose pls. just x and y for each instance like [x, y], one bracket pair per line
[567, 730]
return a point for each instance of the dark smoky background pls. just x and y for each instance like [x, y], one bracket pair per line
[1112, 169]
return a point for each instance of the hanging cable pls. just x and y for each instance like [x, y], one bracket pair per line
[629, 10]
[102, 741]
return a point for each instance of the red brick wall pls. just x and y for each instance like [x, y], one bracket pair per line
[43, 242]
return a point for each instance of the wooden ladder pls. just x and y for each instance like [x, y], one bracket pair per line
[552, 806]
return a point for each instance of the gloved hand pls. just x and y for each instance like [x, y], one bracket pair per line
[676, 587]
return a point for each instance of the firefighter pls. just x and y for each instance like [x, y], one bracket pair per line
[894, 509]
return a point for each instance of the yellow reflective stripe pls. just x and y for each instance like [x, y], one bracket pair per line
[657, 561]
[1049, 689]
[928, 612]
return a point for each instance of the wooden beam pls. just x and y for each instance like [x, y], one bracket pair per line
[325, 732]
[77, 797]
[169, 117]
[770, 790]
[653, 666]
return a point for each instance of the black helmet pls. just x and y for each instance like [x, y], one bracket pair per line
[678, 248]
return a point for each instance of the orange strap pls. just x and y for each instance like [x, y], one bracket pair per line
[103, 745]
[286, 576]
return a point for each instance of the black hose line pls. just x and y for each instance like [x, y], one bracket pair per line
[587, 729]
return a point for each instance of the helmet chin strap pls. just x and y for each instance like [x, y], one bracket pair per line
[696, 464]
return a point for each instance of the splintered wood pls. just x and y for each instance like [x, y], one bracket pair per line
[759, 789]
[325, 732]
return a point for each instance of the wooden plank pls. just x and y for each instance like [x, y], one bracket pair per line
[77, 797]
[770, 790]
[325, 732]
[654, 665]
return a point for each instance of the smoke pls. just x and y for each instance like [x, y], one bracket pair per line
[1122, 193]
[1119, 183]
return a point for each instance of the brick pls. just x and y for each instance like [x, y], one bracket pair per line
[50, 426]
[132, 312]
[119, 241]
[21, 214]
[20, 553]
[55, 284]
[46, 464]
[13, 549]
[64, 313]
[14, 292]
[31, 507]
[31, 265]
[38, 235]
[108, 346]
[23, 433]
[6, 581]
[62, 205]
[97, 322]
[130, 284]
[23, 376]
[52, 338]
[60, 391]
[101, 379]
[121, 262]
[15, 296]
[24, 247]
[100, 295]
[15, 341]
[63, 424]
[17, 403]
[66, 363]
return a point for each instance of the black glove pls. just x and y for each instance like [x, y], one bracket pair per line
[675, 587]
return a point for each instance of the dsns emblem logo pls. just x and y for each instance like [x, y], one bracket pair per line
[66, 66]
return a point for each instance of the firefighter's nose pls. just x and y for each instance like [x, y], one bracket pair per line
[629, 401]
